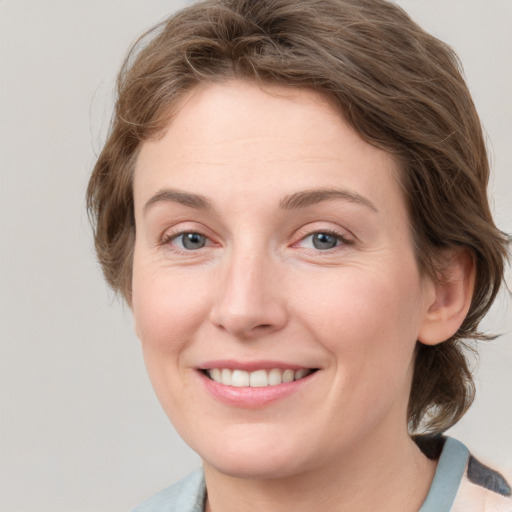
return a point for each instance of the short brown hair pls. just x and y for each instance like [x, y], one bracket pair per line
[400, 88]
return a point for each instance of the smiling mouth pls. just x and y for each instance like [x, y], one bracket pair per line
[256, 379]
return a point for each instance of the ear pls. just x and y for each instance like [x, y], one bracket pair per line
[449, 298]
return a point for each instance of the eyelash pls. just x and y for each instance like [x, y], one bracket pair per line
[167, 240]
[341, 240]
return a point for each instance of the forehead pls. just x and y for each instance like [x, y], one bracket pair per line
[249, 139]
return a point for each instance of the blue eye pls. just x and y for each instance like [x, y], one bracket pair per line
[322, 241]
[190, 241]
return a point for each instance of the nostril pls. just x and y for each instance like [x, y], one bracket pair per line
[246, 319]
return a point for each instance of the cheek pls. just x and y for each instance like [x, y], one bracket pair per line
[167, 310]
[368, 321]
[168, 313]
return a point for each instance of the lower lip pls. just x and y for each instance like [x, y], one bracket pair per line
[253, 398]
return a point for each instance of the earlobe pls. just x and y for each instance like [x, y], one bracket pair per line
[451, 298]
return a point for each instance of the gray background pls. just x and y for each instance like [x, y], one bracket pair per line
[80, 428]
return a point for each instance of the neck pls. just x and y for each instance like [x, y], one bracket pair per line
[387, 473]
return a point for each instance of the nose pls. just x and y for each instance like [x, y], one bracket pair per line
[250, 300]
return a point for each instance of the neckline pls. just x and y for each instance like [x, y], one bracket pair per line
[450, 470]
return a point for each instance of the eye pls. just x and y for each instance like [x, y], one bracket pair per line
[189, 241]
[322, 241]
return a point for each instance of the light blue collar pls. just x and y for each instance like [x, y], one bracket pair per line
[449, 473]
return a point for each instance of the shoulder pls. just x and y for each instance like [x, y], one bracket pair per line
[483, 489]
[462, 483]
[187, 495]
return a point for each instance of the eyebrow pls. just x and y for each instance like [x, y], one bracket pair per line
[311, 197]
[294, 201]
[175, 196]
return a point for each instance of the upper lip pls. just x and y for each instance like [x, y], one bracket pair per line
[250, 366]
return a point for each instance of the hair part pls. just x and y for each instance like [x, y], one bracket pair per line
[400, 88]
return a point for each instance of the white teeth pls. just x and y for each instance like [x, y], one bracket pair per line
[239, 378]
[225, 377]
[300, 373]
[288, 375]
[256, 379]
[275, 376]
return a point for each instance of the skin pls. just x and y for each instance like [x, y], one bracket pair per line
[259, 289]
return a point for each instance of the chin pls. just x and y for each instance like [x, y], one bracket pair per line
[260, 459]
[255, 468]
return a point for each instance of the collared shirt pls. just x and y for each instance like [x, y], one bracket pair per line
[461, 484]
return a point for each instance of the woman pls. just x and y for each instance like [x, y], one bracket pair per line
[292, 200]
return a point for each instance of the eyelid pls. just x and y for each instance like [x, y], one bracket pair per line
[344, 235]
[341, 240]
[182, 228]
[174, 236]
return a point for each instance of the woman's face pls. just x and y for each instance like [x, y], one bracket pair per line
[273, 244]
